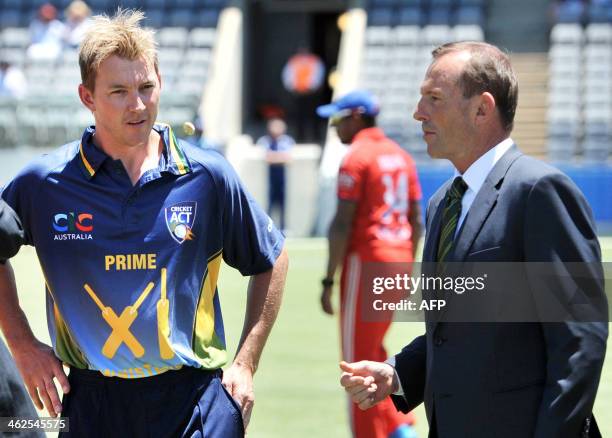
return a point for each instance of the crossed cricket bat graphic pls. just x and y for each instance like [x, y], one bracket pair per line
[121, 324]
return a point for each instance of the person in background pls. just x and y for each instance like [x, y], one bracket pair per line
[12, 81]
[278, 146]
[378, 220]
[46, 34]
[303, 77]
[77, 22]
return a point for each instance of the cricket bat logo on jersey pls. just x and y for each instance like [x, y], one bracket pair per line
[180, 219]
[121, 324]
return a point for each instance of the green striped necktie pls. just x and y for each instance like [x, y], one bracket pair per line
[450, 218]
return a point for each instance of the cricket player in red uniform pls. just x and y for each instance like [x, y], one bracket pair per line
[378, 220]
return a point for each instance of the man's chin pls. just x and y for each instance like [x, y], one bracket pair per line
[136, 140]
[432, 151]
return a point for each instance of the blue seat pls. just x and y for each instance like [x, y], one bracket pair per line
[598, 14]
[570, 12]
[131, 4]
[440, 3]
[214, 3]
[184, 4]
[154, 18]
[479, 3]
[180, 18]
[469, 15]
[34, 4]
[440, 15]
[411, 16]
[98, 5]
[412, 3]
[10, 18]
[62, 4]
[381, 3]
[206, 18]
[156, 4]
[380, 17]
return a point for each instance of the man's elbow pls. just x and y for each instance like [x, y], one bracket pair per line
[281, 264]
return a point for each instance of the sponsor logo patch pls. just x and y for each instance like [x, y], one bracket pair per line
[180, 219]
[73, 226]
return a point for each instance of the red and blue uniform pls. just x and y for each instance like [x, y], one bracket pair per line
[381, 179]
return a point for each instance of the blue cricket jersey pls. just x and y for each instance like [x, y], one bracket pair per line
[131, 270]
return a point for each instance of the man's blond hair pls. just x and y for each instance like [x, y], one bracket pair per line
[120, 35]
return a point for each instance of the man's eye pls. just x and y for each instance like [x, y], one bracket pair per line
[117, 91]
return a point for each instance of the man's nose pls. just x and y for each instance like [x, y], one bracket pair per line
[136, 102]
[419, 114]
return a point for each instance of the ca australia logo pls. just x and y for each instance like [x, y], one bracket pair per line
[73, 226]
[180, 219]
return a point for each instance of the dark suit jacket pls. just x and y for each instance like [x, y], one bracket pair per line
[527, 379]
[11, 233]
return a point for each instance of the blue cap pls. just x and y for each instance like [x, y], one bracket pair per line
[361, 100]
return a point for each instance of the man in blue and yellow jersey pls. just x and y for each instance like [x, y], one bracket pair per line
[130, 227]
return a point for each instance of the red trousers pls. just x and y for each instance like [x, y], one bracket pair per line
[363, 340]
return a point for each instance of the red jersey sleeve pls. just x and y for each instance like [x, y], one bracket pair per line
[414, 187]
[351, 177]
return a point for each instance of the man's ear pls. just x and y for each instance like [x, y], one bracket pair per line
[486, 106]
[86, 97]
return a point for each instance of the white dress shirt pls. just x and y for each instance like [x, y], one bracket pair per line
[476, 174]
[474, 177]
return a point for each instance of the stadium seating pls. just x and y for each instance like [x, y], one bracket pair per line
[399, 38]
[423, 12]
[52, 114]
[580, 91]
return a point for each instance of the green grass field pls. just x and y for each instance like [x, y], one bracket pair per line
[296, 387]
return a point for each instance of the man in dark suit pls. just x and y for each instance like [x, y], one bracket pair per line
[14, 401]
[538, 376]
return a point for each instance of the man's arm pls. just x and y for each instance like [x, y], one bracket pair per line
[339, 231]
[560, 229]
[11, 232]
[264, 298]
[36, 362]
[414, 219]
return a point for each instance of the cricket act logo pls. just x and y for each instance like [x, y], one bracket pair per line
[180, 219]
[73, 226]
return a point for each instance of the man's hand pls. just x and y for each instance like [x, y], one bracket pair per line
[238, 380]
[39, 367]
[368, 382]
[326, 302]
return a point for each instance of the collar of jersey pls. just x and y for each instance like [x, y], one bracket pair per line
[173, 158]
[373, 133]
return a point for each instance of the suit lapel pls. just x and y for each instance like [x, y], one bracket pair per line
[432, 236]
[483, 204]
[430, 250]
[479, 211]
